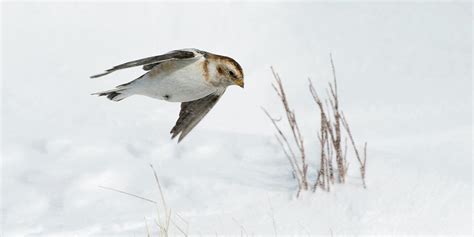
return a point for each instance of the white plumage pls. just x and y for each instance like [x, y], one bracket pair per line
[184, 83]
[194, 77]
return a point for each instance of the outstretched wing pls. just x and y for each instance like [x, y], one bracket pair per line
[149, 62]
[192, 113]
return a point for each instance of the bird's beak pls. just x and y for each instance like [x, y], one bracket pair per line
[240, 83]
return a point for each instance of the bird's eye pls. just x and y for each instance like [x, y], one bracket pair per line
[231, 73]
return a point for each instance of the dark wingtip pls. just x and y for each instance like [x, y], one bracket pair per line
[112, 95]
[109, 95]
[100, 75]
[174, 134]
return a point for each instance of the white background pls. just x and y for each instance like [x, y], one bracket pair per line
[404, 73]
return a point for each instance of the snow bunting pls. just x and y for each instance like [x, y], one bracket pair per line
[194, 77]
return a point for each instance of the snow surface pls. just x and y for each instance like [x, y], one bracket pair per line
[405, 83]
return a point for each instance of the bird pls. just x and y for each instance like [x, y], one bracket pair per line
[196, 78]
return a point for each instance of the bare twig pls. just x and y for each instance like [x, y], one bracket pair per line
[294, 128]
[344, 157]
[325, 173]
[298, 163]
[334, 101]
[331, 140]
[284, 143]
[362, 161]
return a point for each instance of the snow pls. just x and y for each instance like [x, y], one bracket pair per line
[404, 73]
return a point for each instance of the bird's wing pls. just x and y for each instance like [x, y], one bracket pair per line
[148, 67]
[149, 62]
[192, 112]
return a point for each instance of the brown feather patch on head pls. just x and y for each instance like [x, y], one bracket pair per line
[220, 70]
[205, 69]
[230, 60]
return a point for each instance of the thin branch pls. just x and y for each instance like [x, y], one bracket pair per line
[291, 155]
[298, 165]
[356, 151]
[334, 74]
[290, 115]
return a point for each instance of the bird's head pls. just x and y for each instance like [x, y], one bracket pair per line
[229, 71]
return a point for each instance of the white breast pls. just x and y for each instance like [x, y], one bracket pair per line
[175, 81]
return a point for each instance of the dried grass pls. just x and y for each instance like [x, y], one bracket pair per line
[298, 162]
[164, 215]
[330, 137]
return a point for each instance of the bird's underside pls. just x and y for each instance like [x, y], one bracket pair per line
[192, 111]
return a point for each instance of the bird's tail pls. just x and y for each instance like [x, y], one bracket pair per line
[117, 94]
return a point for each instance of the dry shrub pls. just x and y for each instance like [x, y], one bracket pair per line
[330, 139]
[297, 161]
